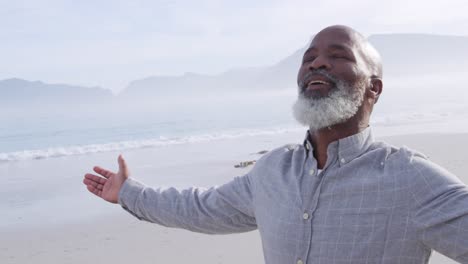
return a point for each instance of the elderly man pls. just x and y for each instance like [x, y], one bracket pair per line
[340, 197]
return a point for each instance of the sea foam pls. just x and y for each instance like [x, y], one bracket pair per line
[55, 152]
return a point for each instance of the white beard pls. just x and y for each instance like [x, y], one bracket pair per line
[341, 104]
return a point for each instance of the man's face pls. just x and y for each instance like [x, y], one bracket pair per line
[337, 53]
[331, 81]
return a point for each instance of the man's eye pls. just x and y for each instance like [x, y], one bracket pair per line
[308, 59]
[339, 56]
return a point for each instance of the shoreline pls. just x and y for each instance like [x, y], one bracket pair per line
[380, 129]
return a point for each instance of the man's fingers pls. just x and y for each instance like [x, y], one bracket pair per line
[103, 172]
[122, 165]
[94, 183]
[95, 178]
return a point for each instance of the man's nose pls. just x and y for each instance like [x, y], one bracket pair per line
[320, 62]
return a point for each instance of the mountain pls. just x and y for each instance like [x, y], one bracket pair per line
[18, 91]
[402, 55]
[279, 76]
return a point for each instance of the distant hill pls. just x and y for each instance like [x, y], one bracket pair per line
[18, 91]
[402, 54]
[279, 76]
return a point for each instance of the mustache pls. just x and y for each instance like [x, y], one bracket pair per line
[309, 75]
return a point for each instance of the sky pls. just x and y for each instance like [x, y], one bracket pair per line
[109, 43]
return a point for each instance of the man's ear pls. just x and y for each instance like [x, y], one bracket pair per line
[376, 88]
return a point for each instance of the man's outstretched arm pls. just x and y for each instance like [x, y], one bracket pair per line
[224, 209]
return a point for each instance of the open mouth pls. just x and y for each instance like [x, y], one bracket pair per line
[318, 84]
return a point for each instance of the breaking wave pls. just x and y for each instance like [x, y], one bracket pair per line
[55, 152]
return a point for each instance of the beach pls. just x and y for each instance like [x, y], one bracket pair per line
[51, 218]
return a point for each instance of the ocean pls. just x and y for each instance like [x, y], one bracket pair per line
[29, 134]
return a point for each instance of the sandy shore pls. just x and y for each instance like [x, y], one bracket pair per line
[68, 225]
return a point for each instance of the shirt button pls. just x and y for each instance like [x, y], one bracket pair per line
[343, 160]
[299, 261]
[311, 172]
[305, 216]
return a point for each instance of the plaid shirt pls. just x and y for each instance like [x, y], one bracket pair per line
[372, 203]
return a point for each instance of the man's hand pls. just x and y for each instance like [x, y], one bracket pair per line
[108, 186]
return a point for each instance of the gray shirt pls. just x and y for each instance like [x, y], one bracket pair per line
[372, 203]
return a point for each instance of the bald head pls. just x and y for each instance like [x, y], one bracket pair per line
[370, 56]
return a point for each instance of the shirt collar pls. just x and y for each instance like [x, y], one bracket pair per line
[348, 148]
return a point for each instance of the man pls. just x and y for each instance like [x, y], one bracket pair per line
[340, 197]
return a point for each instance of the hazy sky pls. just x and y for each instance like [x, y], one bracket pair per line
[111, 42]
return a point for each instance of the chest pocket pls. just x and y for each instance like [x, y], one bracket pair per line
[339, 237]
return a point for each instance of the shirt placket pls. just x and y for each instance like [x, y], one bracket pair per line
[312, 181]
